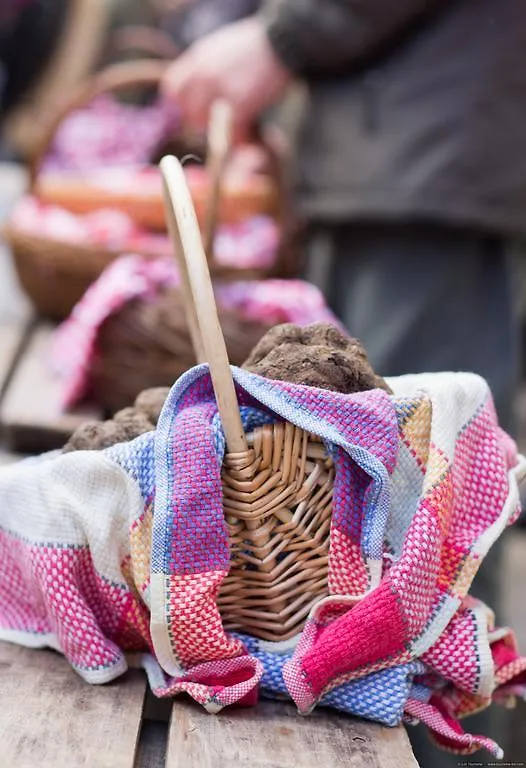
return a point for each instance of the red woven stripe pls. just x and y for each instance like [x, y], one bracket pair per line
[348, 645]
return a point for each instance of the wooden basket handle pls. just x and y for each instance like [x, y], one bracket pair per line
[273, 139]
[219, 145]
[117, 77]
[203, 320]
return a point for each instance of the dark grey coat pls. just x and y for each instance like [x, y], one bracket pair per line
[417, 108]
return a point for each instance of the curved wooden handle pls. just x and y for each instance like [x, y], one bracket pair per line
[219, 147]
[219, 144]
[207, 338]
[280, 155]
[114, 78]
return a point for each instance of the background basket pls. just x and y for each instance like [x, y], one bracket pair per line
[55, 274]
[277, 480]
[147, 344]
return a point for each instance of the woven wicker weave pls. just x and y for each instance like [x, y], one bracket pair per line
[277, 480]
[147, 344]
[55, 274]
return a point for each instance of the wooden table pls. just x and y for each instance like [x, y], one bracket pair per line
[51, 718]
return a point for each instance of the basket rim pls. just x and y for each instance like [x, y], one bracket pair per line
[19, 238]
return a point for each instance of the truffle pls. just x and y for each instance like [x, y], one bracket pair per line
[317, 355]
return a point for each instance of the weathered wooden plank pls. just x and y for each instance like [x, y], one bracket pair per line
[13, 334]
[514, 615]
[51, 718]
[154, 732]
[8, 458]
[513, 580]
[13, 303]
[30, 412]
[274, 736]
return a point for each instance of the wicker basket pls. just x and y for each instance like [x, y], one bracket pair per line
[147, 344]
[277, 480]
[55, 274]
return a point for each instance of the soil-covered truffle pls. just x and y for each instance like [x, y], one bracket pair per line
[317, 355]
[150, 402]
[126, 425]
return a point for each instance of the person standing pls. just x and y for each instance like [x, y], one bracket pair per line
[410, 173]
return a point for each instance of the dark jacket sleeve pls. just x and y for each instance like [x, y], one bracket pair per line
[316, 37]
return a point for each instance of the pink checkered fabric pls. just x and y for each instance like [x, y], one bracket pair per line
[217, 684]
[104, 228]
[74, 342]
[109, 132]
[446, 731]
[464, 483]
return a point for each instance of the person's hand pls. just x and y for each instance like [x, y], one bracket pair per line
[235, 63]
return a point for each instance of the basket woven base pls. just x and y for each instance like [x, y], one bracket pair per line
[277, 502]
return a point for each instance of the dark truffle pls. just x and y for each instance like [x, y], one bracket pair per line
[151, 401]
[126, 425]
[318, 355]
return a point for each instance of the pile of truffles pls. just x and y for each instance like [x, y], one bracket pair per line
[126, 424]
[317, 355]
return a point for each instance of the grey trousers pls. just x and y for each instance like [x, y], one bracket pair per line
[428, 298]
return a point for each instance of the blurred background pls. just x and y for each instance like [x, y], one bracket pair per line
[377, 175]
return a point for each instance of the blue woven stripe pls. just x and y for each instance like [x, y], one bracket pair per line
[380, 696]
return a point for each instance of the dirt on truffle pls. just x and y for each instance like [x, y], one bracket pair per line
[317, 355]
[126, 425]
[150, 402]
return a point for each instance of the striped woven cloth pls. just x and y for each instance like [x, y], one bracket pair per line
[103, 554]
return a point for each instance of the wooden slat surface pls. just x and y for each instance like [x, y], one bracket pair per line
[13, 303]
[8, 458]
[30, 411]
[51, 718]
[514, 615]
[274, 736]
[12, 335]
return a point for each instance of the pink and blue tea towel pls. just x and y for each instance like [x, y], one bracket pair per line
[117, 557]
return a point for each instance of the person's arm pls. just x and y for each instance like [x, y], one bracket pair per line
[251, 63]
[313, 37]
